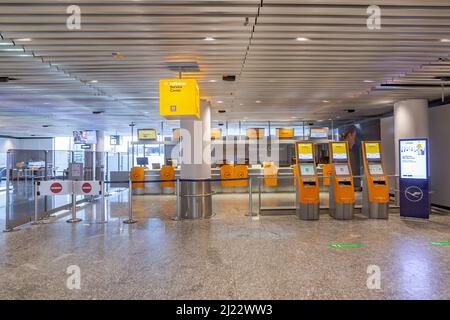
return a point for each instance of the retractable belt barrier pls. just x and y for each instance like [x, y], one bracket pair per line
[131, 220]
[73, 188]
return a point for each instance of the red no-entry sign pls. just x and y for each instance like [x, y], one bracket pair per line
[56, 187]
[86, 187]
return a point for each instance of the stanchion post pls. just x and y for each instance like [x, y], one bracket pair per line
[36, 218]
[104, 216]
[74, 218]
[178, 200]
[250, 199]
[259, 195]
[130, 219]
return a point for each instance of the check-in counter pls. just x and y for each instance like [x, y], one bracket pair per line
[285, 181]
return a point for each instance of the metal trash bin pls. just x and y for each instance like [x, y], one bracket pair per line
[195, 199]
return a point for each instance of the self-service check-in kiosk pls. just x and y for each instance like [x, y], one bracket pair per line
[308, 183]
[342, 192]
[375, 202]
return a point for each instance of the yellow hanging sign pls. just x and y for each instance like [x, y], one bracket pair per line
[216, 134]
[179, 98]
[286, 133]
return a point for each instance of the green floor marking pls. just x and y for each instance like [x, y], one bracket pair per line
[345, 245]
[445, 243]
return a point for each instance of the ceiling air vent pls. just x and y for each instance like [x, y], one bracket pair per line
[183, 66]
[6, 79]
[229, 78]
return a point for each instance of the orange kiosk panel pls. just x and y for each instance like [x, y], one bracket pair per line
[295, 173]
[342, 191]
[137, 174]
[327, 170]
[376, 189]
[227, 172]
[167, 173]
[308, 182]
[270, 174]
[240, 172]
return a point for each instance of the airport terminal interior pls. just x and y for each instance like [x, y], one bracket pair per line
[225, 149]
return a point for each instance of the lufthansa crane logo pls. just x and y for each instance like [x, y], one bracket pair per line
[414, 194]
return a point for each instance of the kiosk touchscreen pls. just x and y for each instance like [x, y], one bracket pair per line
[308, 182]
[375, 202]
[342, 192]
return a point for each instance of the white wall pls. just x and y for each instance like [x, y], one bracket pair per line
[388, 149]
[30, 144]
[439, 124]
[440, 154]
[6, 144]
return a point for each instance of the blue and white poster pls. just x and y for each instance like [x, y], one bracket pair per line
[414, 184]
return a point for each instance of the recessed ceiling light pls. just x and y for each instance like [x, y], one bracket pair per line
[209, 39]
[258, 101]
[445, 40]
[302, 39]
[94, 81]
[325, 101]
[293, 117]
[368, 81]
[220, 101]
[212, 80]
[338, 117]
[23, 39]
[147, 112]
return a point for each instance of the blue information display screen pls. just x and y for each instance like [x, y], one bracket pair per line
[414, 185]
[413, 159]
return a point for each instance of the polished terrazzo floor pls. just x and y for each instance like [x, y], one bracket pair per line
[230, 256]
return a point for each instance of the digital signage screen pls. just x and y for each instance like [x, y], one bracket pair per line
[339, 150]
[413, 159]
[305, 151]
[318, 133]
[114, 140]
[372, 150]
[147, 134]
[85, 137]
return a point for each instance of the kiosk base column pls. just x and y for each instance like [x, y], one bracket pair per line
[342, 211]
[308, 211]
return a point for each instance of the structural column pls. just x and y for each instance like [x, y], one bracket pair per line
[195, 146]
[100, 156]
[410, 122]
[196, 201]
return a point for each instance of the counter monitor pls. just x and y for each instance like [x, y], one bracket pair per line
[147, 134]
